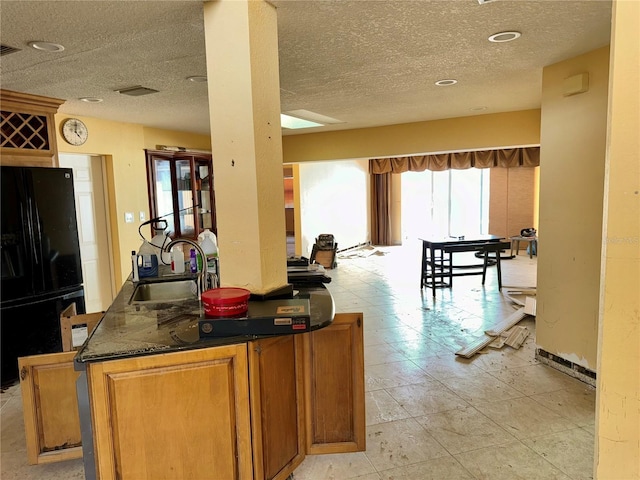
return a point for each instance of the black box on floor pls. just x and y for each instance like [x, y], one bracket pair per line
[269, 317]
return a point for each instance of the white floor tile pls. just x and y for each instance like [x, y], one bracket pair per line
[400, 443]
[509, 462]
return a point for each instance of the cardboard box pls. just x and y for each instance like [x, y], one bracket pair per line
[75, 329]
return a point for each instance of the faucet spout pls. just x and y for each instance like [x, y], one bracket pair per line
[202, 276]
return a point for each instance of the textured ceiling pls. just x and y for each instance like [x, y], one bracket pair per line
[364, 62]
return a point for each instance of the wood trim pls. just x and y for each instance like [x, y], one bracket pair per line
[32, 158]
[507, 323]
[12, 99]
[517, 336]
[481, 342]
[475, 346]
[38, 423]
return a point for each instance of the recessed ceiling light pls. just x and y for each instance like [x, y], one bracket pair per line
[478, 109]
[90, 99]
[446, 83]
[501, 37]
[46, 46]
[197, 78]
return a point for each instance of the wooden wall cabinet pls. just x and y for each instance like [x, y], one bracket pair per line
[181, 183]
[27, 127]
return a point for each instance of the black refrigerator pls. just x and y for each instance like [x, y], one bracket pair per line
[40, 254]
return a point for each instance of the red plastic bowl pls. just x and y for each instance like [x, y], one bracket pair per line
[225, 302]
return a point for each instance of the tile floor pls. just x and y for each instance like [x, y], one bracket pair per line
[430, 415]
[434, 416]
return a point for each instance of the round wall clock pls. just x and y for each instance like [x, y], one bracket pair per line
[74, 131]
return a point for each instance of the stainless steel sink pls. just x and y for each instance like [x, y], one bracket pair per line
[172, 291]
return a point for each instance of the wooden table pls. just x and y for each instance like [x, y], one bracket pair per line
[435, 267]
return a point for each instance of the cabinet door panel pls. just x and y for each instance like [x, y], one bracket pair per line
[50, 407]
[334, 386]
[276, 406]
[180, 415]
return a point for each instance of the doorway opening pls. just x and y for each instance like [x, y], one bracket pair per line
[93, 233]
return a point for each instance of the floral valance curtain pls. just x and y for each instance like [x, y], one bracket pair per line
[506, 158]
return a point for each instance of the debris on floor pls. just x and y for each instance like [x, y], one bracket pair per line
[506, 332]
[361, 252]
[514, 338]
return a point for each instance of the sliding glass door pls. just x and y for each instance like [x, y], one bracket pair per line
[447, 203]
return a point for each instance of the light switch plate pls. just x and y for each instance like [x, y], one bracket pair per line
[143, 216]
[128, 217]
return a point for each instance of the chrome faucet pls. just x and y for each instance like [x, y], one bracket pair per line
[202, 277]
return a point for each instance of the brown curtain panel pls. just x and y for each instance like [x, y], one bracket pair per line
[507, 157]
[380, 209]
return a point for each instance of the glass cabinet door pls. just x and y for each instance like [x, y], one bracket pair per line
[163, 192]
[181, 191]
[184, 194]
[203, 190]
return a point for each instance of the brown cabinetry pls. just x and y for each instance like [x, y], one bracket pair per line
[177, 415]
[307, 396]
[334, 387]
[27, 129]
[50, 407]
[277, 406]
[181, 183]
[243, 411]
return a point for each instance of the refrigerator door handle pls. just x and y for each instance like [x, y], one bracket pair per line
[30, 215]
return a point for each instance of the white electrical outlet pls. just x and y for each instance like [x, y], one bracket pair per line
[143, 216]
[128, 217]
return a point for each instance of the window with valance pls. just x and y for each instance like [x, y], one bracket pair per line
[505, 158]
[382, 168]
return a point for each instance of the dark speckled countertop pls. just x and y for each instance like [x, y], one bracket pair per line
[150, 328]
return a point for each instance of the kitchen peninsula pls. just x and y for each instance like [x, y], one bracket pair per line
[155, 401]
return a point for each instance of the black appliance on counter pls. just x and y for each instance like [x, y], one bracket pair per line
[267, 317]
[40, 255]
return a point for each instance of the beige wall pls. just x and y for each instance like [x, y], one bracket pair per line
[618, 390]
[453, 134]
[122, 145]
[572, 158]
[334, 199]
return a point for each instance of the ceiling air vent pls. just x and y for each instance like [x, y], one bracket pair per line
[6, 50]
[136, 91]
